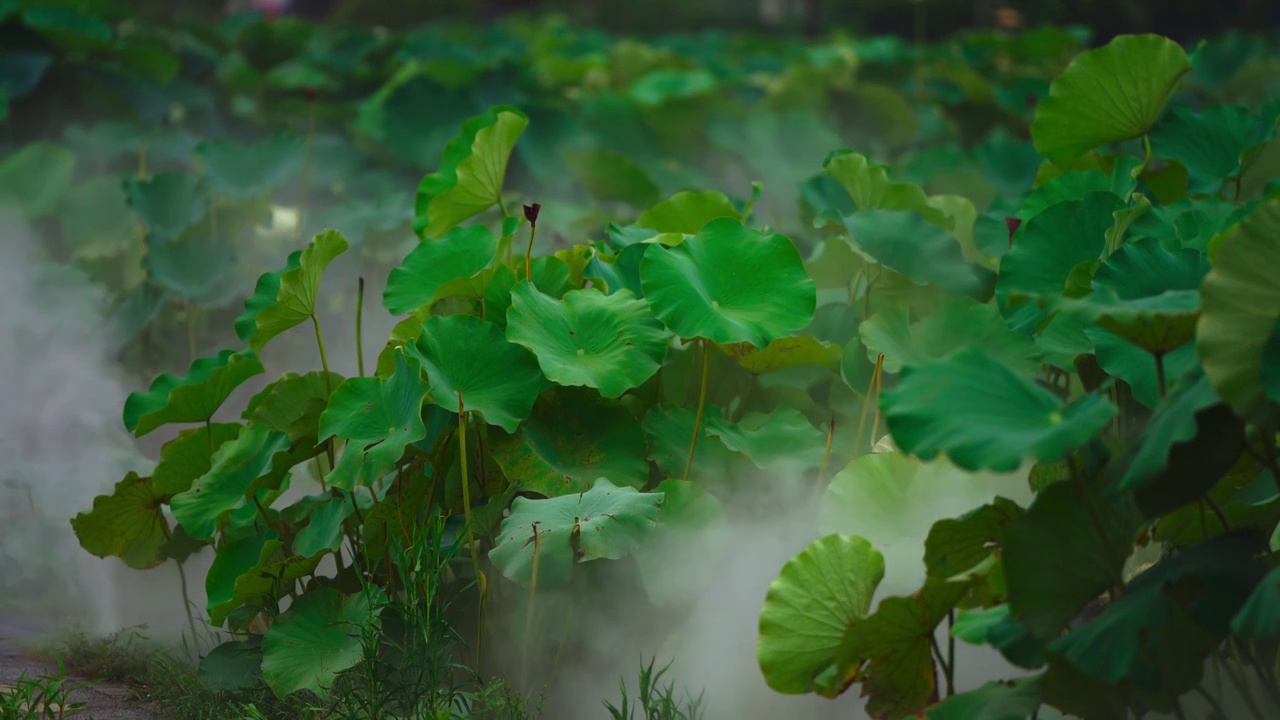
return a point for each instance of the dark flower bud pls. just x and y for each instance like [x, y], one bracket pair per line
[309, 93]
[531, 212]
[1013, 224]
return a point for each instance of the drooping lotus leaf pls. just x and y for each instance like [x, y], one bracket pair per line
[258, 460]
[957, 545]
[984, 415]
[611, 176]
[610, 342]
[323, 532]
[287, 298]
[36, 177]
[606, 522]
[1260, 616]
[1113, 93]
[128, 524]
[272, 577]
[1050, 245]
[573, 438]
[781, 438]
[318, 637]
[238, 554]
[1241, 309]
[996, 627]
[378, 418]
[192, 398]
[246, 171]
[1063, 339]
[463, 252]
[890, 650]
[670, 431]
[1007, 700]
[232, 666]
[1145, 267]
[957, 323]
[1210, 143]
[809, 608]
[1129, 362]
[471, 174]
[1065, 552]
[728, 284]
[470, 363]
[293, 404]
[784, 353]
[688, 212]
[189, 456]
[168, 203]
[906, 243]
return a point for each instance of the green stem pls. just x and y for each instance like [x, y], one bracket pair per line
[360, 327]
[951, 654]
[466, 512]
[528, 256]
[826, 460]
[328, 384]
[529, 636]
[702, 402]
[1160, 379]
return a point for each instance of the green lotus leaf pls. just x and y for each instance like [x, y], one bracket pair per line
[996, 627]
[689, 514]
[572, 438]
[783, 437]
[128, 524]
[670, 431]
[258, 458]
[271, 578]
[1260, 616]
[610, 342]
[784, 354]
[1137, 367]
[1051, 244]
[463, 252]
[1145, 268]
[1065, 338]
[36, 177]
[471, 174]
[1007, 700]
[238, 554]
[664, 85]
[470, 363]
[606, 522]
[1209, 143]
[810, 607]
[97, 225]
[729, 284]
[378, 418]
[957, 545]
[246, 171]
[1067, 550]
[70, 28]
[287, 298]
[293, 404]
[1113, 93]
[192, 398]
[985, 416]
[232, 666]
[317, 638]
[1241, 309]
[871, 189]
[168, 203]
[323, 532]
[688, 212]
[957, 323]
[906, 243]
[194, 266]
[189, 456]
[610, 176]
[890, 650]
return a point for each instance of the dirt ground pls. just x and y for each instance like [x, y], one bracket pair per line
[104, 701]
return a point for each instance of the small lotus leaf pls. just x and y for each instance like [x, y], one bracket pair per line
[463, 252]
[189, 456]
[687, 212]
[192, 398]
[128, 524]
[287, 298]
[958, 323]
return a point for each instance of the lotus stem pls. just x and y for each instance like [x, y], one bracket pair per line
[1160, 381]
[702, 403]
[826, 460]
[529, 635]
[951, 654]
[360, 326]
[466, 512]
[528, 256]
[877, 379]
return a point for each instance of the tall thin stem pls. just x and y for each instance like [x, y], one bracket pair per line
[529, 635]
[702, 402]
[528, 256]
[826, 460]
[360, 327]
[866, 406]
[328, 385]
[879, 381]
[1160, 381]
[951, 654]
[466, 513]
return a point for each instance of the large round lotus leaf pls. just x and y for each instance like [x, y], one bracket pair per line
[286, 298]
[1209, 143]
[469, 362]
[809, 608]
[471, 172]
[1009, 700]
[1240, 310]
[784, 353]
[606, 522]
[462, 253]
[1050, 245]
[670, 431]
[233, 665]
[128, 524]
[377, 418]
[984, 415]
[728, 284]
[610, 176]
[572, 438]
[1113, 93]
[781, 439]
[1145, 268]
[1158, 324]
[1129, 362]
[249, 171]
[687, 212]
[168, 203]
[196, 266]
[958, 323]
[36, 177]
[610, 342]
[192, 398]
[189, 456]
[318, 637]
[906, 243]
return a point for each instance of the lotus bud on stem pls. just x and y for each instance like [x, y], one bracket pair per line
[531, 214]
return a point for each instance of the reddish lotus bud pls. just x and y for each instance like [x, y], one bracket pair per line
[309, 93]
[531, 212]
[1013, 224]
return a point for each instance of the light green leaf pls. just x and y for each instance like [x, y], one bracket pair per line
[317, 638]
[192, 398]
[463, 252]
[128, 524]
[287, 298]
